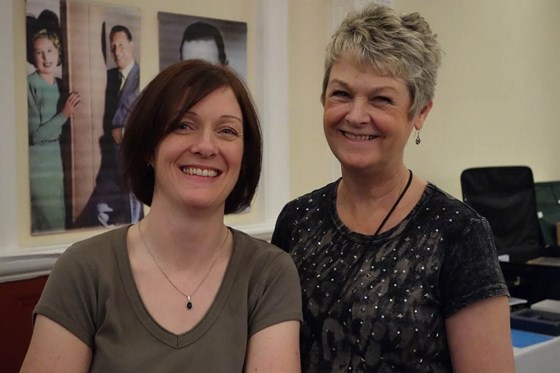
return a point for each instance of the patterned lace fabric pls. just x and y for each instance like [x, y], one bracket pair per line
[378, 303]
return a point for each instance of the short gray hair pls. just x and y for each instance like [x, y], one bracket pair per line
[403, 47]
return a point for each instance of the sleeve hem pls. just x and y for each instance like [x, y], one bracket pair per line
[475, 297]
[276, 319]
[64, 322]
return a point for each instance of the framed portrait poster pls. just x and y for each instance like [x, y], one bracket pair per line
[218, 41]
[83, 72]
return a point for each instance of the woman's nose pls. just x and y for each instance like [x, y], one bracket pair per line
[358, 112]
[205, 145]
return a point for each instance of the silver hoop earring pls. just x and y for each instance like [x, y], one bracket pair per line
[418, 140]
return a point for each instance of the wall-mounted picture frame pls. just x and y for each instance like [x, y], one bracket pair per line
[215, 40]
[83, 76]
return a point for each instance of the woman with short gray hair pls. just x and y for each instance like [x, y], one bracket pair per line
[396, 274]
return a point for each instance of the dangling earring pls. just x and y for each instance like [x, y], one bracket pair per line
[418, 140]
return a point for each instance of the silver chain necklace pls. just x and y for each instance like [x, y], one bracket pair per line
[188, 303]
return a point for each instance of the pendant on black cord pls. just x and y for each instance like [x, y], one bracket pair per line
[188, 305]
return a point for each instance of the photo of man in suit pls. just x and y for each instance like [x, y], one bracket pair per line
[123, 83]
[114, 205]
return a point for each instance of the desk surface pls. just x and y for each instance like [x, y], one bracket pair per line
[540, 357]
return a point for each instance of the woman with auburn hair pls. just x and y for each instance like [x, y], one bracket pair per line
[179, 290]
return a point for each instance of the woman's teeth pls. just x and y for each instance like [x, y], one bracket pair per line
[358, 137]
[199, 172]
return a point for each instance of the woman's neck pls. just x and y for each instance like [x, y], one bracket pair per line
[358, 188]
[368, 204]
[182, 237]
[47, 77]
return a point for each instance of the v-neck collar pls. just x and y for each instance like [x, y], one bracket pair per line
[177, 341]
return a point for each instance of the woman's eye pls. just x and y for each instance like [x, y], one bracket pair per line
[382, 100]
[183, 127]
[339, 93]
[230, 131]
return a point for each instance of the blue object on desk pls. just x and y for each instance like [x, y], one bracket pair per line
[522, 338]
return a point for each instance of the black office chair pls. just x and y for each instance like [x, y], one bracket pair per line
[505, 196]
[548, 207]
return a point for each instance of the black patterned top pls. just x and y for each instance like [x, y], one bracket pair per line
[378, 303]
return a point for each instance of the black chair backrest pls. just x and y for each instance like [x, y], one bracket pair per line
[505, 196]
[548, 207]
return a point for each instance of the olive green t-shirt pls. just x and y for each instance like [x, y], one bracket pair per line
[91, 292]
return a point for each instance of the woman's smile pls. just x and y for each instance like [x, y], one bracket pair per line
[200, 171]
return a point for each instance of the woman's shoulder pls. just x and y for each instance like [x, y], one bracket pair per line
[439, 200]
[99, 250]
[111, 237]
[34, 78]
[258, 253]
[255, 246]
[315, 197]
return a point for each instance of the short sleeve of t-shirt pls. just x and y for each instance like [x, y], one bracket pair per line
[465, 278]
[69, 295]
[276, 296]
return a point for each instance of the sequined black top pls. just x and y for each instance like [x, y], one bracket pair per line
[378, 303]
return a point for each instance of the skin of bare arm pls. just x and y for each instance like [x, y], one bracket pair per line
[479, 337]
[275, 349]
[54, 349]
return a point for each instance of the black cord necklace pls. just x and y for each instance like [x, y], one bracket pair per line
[396, 203]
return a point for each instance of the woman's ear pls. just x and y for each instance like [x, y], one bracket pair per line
[421, 117]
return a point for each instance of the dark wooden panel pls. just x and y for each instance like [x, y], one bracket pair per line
[17, 300]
